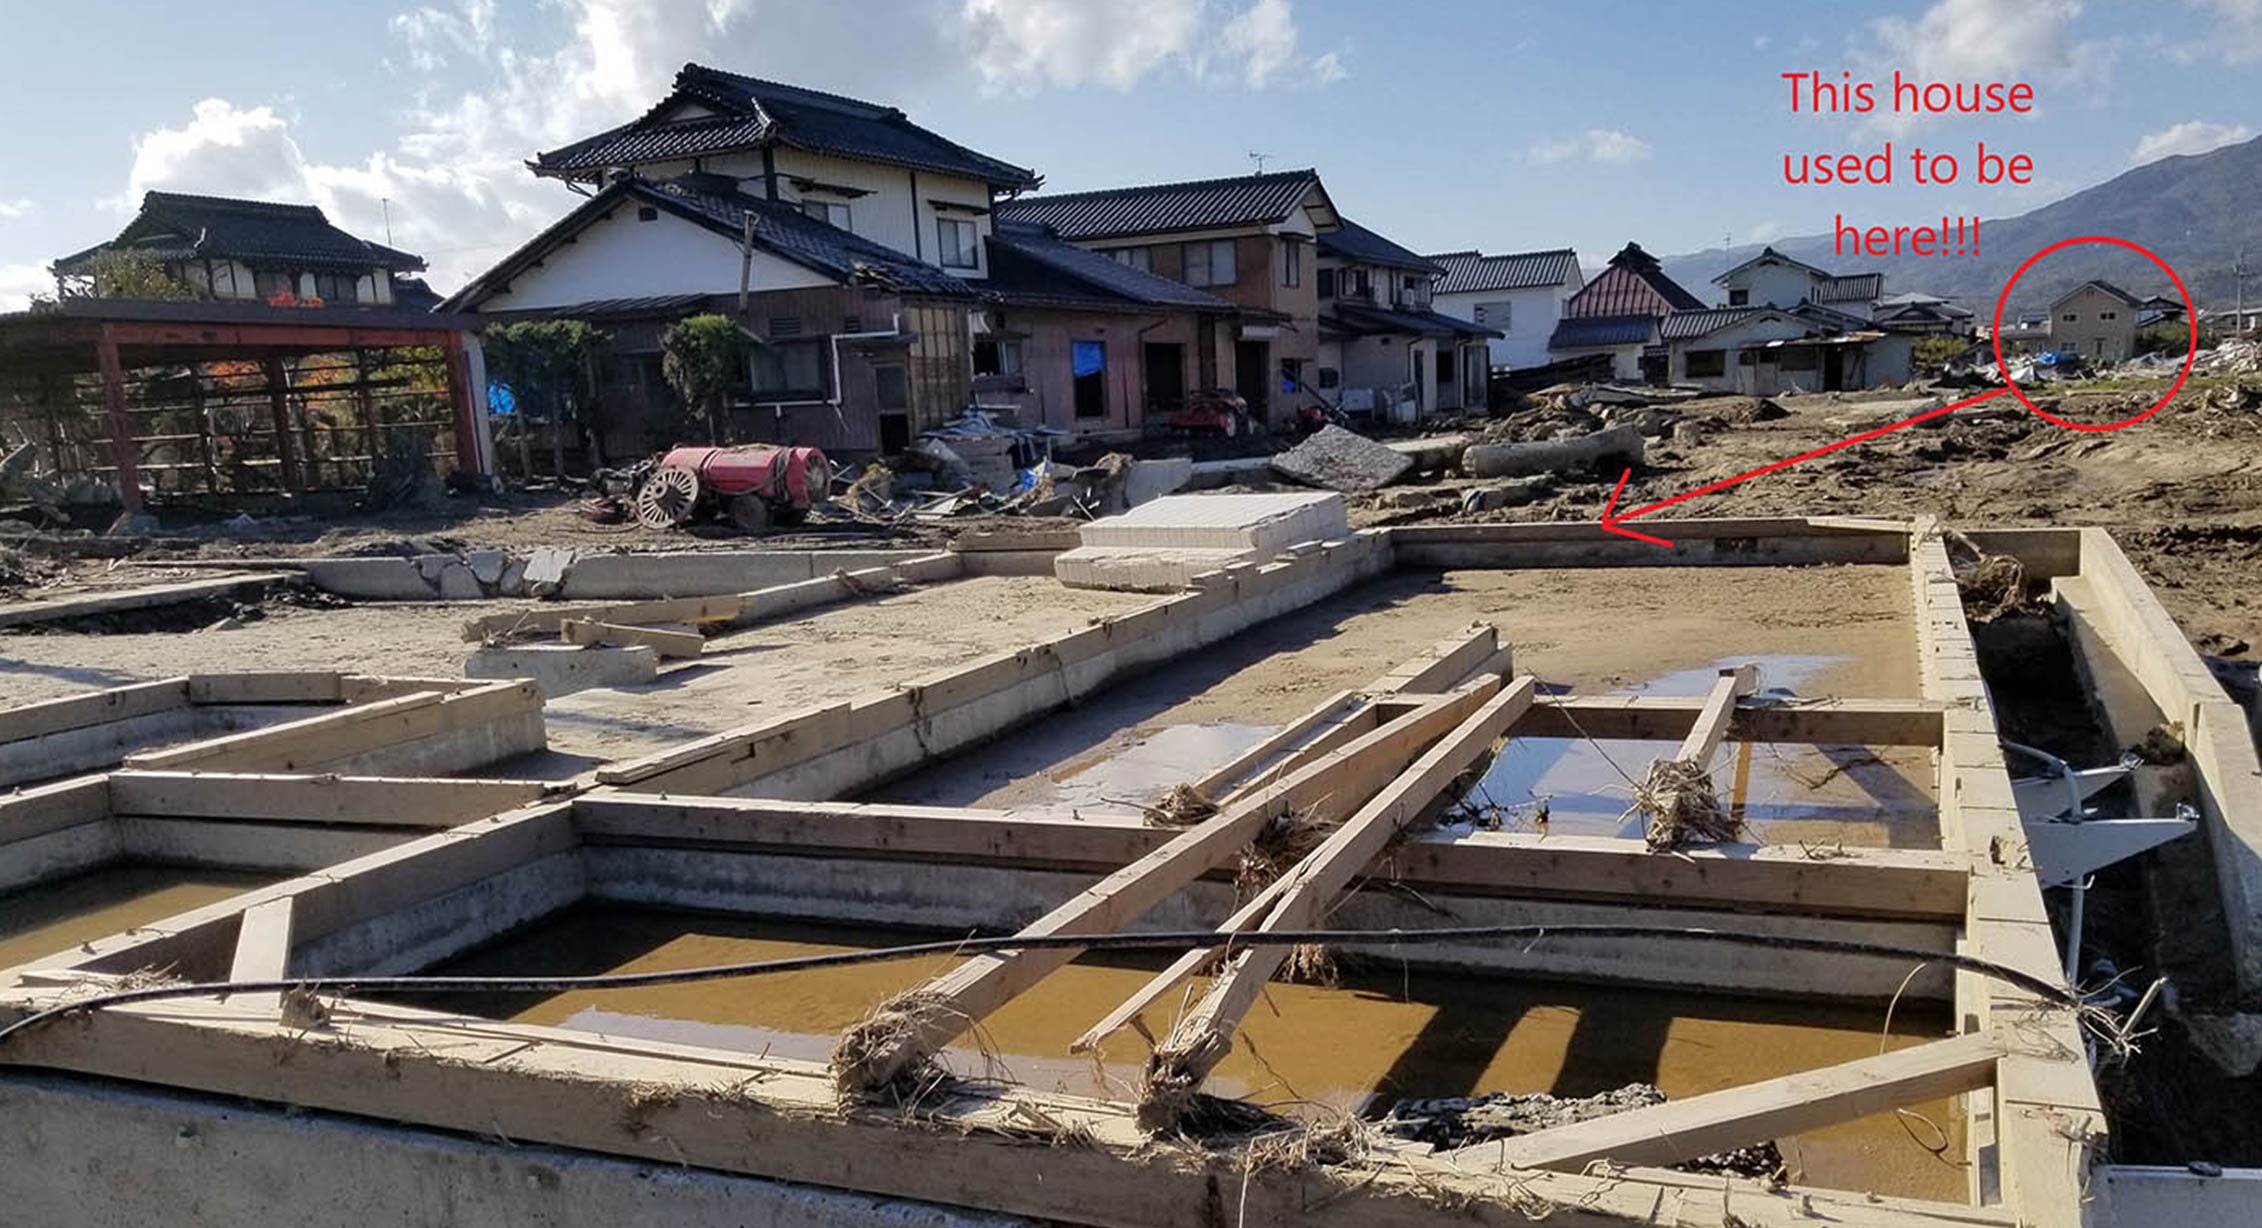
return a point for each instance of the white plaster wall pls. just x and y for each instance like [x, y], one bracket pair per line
[1731, 340]
[1533, 315]
[1771, 285]
[624, 257]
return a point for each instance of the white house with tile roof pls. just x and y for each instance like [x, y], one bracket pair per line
[1519, 295]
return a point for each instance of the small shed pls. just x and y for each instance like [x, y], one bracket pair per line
[234, 403]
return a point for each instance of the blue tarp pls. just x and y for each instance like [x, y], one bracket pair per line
[1088, 358]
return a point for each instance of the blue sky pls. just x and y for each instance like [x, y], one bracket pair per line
[1497, 124]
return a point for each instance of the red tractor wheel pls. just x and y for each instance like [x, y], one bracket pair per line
[667, 499]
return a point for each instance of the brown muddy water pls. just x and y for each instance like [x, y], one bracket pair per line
[53, 917]
[1382, 1034]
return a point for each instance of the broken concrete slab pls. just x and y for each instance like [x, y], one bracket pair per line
[1145, 481]
[1434, 454]
[561, 669]
[1343, 460]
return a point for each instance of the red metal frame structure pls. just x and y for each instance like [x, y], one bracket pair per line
[108, 338]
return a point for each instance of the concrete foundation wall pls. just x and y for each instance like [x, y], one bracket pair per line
[103, 1155]
[455, 750]
[920, 736]
[289, 848]
[106, 745]
[998, 899]
[57, 854]
[483, 574]
[414, 938]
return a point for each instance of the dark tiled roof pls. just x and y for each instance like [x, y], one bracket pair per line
[750, 112]
[1467, 272]
[1766, 255]
[2105, 286]
[1353, 242]
[1682, 325]
[1829, 317]
[1351, 319]
[1582, 331]
[1634, 284]
[415, 294]
[1851, 288]
[177, 226]
[1245, 200]
[779, 228]
[1031, 264]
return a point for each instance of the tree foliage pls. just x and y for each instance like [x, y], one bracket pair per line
[547, 363]
[1935, 352]
[132, 273]
[702, 357]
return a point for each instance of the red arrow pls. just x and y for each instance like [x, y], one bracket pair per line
[1611, 522]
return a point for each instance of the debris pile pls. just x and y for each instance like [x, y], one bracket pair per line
[2237, 356]
[1679, 806]
[1336, 459]
[1463, 1121]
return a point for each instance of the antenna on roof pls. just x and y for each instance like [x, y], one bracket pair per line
[1259, 159]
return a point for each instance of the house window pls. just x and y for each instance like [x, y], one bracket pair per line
[956, 241]
[2069, 318]
[1493, 315]
[830, 212]
[2108, 315]
[1211, 263]
[1739, 298]
[776, 370]
[1291, 375]
[1327, 283]
[994, 357]
[1137, 257]
[1707, 364]
[1329, 377]
[337, 287]
[1358, 283]
[271, 284]
[1088, 366]
[1291, 263]
[1445, 367]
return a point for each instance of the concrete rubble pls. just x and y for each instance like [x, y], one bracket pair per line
[1162, 546]
[1342, 460]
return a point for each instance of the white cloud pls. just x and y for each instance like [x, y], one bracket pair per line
[1026, 45]
[17, 209]
[1984, 40]
[431, 32]
[223, 149]
[18, 282]
[1764, 232]
[2234, 32]
[1595, 144]
[2193, 136]
[453, 179]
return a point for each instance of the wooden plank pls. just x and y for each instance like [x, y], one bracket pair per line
[1823, 722]
[671, 644]
[349, 732]
[1703, 740]
[25, 613]
[291, 741]
[1182, 969]
[263, 949]
[1681, 1130]
[375, 800]
[547, 620]
[283, 687]
[96, 708]
[25, 813]
[1331, 789]
[1222, 780]
[1203, 1038]
[1447, 663]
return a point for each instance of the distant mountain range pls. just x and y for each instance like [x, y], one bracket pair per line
[2193, 210]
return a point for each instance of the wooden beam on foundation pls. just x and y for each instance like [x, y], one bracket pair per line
[1334, 708]
[375, 800]
[346, 733]
[670, 644]
[1682, 1130]
[1203, 1038]
[1899, 884]
[281, 687]
[982, 1147]
[97, 708]
[1659, 718]
[26, 613]
[36, 811]
[1330, 790]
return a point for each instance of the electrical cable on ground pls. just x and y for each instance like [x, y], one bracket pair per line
[1176, 940]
